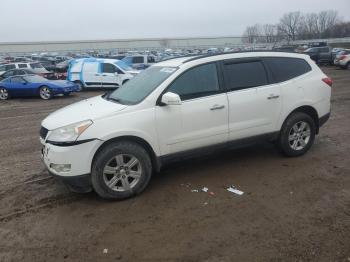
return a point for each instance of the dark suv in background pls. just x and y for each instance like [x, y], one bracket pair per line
[321, 55]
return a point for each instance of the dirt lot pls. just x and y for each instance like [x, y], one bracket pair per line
[293, 209]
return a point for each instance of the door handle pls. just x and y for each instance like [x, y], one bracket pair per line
[217, 107]
[272, 96]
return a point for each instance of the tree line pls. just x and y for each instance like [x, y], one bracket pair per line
[298, 26]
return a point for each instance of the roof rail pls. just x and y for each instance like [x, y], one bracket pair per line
[234, 52]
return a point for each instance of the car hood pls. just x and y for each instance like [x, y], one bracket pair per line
[92, 108]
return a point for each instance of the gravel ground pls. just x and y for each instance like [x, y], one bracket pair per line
[293, 209]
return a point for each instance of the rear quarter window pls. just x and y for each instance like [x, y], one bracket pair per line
[286, 68]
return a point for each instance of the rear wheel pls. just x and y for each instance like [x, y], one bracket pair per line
[297, 134]
[45, 92]
[4, 95]
[121, 170]
[79, 84]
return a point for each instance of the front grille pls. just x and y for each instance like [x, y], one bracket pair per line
[43, 132]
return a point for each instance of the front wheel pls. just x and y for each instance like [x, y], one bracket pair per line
[4, 95]
[297, 134]
[45, 93]
[79, 85]
[121, 170]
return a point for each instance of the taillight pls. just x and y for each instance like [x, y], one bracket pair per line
[342, 57]
[328, 81]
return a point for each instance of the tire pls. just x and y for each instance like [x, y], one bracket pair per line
[66, 94]
[347, 65]
[4, 94]
[115, 165]
[45, 93]
[294, 140]
[79, 84]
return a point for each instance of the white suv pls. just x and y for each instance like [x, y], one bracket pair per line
[114, 142]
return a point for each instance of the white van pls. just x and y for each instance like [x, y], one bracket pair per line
[93, 72]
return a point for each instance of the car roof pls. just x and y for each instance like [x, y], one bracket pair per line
[176, 62]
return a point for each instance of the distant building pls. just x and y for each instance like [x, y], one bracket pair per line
[120, 45]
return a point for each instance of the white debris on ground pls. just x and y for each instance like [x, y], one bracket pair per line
[233, 189]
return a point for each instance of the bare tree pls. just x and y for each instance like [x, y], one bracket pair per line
[290, 24]
[269, 32]
[295, 25]
[252, 34]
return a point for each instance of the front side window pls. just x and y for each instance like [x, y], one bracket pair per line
[108, 68]
[286, 68]
[196, 82]
[22, 65]
[244, 75]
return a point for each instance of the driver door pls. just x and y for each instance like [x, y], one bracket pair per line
[20, 87]
[202, 118]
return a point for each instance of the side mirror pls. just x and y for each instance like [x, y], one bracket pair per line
[170, 98]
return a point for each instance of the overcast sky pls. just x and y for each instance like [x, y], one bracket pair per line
[47, 20]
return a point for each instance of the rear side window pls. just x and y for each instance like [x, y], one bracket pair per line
[196, 82]
[22, 65]
[244, 75]
[286, 68]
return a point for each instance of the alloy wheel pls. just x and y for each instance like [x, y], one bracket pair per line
[122, 172]
[45, 93]
[299, 135]
[3, 94]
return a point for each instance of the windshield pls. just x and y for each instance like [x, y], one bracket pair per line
[139, 87]
[123, 66]
[35, 79]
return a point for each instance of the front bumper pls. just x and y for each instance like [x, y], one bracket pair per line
[79, 157]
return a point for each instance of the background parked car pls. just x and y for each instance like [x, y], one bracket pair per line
[48, 65]
[94, 72]
[320, 54]
[139, 61]
[34, 85]
[343, 59]
[62, 66]
[24, 71]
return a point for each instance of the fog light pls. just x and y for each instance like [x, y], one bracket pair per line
[61, 168]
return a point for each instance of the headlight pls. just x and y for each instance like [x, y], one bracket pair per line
[69, 133]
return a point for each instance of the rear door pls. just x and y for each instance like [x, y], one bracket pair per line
[254, 102]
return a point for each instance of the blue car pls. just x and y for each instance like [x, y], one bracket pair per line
[34, 85]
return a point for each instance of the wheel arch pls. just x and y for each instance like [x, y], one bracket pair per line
[156, 164]
[309, 110]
